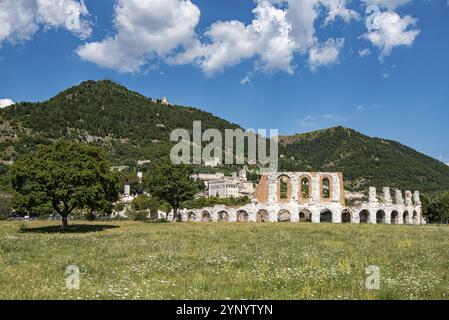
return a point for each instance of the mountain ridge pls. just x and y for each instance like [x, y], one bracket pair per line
[132, 127]
[365, 161]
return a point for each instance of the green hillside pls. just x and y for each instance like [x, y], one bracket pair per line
[132, 127]
[365, 161]
[129, 126]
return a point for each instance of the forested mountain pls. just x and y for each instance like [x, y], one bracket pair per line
[365, 161]
[129, 126]
[132, 127]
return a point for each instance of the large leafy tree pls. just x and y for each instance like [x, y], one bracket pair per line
[64, 176]
[171, 183]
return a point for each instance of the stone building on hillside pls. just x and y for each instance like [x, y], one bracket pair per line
[166, 102]
[315, 197]
[223, 189]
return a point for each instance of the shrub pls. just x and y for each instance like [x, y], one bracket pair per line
[138, 215]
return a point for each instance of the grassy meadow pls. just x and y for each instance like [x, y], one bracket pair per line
[132, 260]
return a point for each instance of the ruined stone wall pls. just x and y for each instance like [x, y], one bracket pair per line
[261, 194]
[266, 207]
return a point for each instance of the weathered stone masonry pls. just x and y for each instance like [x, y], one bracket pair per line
[314, 197]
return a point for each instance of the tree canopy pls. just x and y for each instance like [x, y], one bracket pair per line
[436, 208]
[64, 176]
[171, 183]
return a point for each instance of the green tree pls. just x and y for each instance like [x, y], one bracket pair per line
[171, 183]
[5, 206]
[65, 176]
[438, 209]
[141, 203]
[144, 203]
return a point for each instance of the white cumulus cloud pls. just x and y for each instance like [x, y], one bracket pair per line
[267, 37]
[21, 19]
[165, 30]
[5, 103]
[389, 4]
[364, 52]
[325, 54]
[393, 30]
[146, 29]
[280, 29]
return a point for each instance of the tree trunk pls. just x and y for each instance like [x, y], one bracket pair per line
[65, 223]
[175, 215]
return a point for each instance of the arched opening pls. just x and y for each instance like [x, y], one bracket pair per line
[191, 216]
[205, 217]
[364, 216]
[284, 189]
[416, 217]
[305, 188]
[223, 216]
[326, 216]
[346, 216]
[284, 216]
[380, 217]
[242, 216]
[394, 217]
[263, 216]
[406, 217]
[305, 216]
[326, 189]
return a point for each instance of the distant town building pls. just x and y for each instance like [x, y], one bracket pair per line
[119, 168]
[223, 189]
[127, 190]
[142, 162]
[215, 162]
[246, 189]
[206, 177]
[218, 185]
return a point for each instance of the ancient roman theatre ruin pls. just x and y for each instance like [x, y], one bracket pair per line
[314, 197]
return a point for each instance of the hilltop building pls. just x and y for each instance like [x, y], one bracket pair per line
[166, 102]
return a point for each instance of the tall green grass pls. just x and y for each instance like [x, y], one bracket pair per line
[132, 260]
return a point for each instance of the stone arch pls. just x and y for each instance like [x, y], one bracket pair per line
[326, 188]
[346, 216]
[326, 216]
[416, 217]
[406, 217]
[284, 216]
[206, 217]
[242, 216]
[284, 188]
[395, 217]
[191, 216]
[364, 216]
[381, 217]
[263, 216]
[305, 215]
[223, 216]
[305, 187]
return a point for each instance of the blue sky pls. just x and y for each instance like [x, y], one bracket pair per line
[286, 65]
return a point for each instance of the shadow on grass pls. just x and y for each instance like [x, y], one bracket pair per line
[80, 228]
